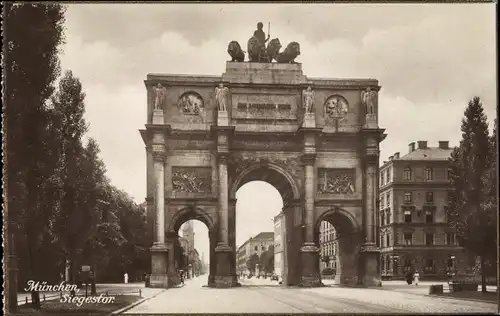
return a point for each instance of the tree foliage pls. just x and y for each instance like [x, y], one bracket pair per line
[33, 36]
[472, 209]
[252, 262]
[266, 260]
[61, 206]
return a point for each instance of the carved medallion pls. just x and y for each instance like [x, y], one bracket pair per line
[336, 181]
[192, 179]
[191, 103]
[336, 108]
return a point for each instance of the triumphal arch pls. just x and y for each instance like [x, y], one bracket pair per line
[315, 140]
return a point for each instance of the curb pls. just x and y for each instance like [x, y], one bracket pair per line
[439, 296]
[130, 306]
[459, 298]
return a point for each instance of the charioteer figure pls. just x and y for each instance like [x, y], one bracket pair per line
[260, 35]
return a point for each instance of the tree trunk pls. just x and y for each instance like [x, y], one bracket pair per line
[483, 275]
[35, 296]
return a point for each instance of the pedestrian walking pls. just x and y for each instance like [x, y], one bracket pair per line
[125, 278]
[416, 277]
[409, 277]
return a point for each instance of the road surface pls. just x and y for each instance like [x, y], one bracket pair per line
[265, 296]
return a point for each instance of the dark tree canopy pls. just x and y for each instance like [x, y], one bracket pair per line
[473, 211]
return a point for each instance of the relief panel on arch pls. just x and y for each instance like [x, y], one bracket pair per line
[336, 181]
[192, 179]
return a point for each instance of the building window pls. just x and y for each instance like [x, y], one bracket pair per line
[388, 199]
[429, 266]
[428, 173]
[408, 197]
[450, 239]
[388, 218]
[408, 238]
[388, 241]
[263, 248]
[429, 216]
[382, 177]
[382, 218]
[382, 241]
[382, 202]
[407, 174]
[256, 248]
[407, 216]
[383, 263]
[429, 197]
[429, 239]
[389, 174]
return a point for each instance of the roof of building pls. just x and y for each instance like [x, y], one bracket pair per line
[259, 236]
[264, 235]
[424, 152]
[429, 153]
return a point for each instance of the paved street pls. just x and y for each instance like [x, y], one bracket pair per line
[265, 296]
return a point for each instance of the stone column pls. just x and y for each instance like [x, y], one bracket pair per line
[223, 201]
[309, 251]
[159, 168]
[159, 250]
[370, 252]
[370, 204]
[223, 250]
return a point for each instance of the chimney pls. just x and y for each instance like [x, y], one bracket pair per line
[411, 147]
[444, 144]
[390, 158]
[422, 144]
[396, 155]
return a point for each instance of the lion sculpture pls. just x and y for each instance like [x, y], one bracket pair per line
[273, 48]
[259, 53]
[235, 51]
[289, 54]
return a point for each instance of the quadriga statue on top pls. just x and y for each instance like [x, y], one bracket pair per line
[258, 52]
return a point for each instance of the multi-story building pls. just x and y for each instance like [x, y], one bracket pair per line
[328, 246]
[279, 246]
[256, 245]
[413, 229]
[192, 264]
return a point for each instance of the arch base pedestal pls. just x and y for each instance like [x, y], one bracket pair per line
[370, 260]
[309, 256]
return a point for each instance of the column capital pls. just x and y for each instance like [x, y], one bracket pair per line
[159, 156]
[222, 158]
[372, 159]
[159, 152]
[308, 158]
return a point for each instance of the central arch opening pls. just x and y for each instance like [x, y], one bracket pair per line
[338, 238]
[261, 192]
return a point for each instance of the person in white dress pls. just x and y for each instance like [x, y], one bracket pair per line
[416, 277]
[125, 278]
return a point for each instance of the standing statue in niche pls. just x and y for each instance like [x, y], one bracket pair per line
[221, 97]
[161, 93]
[369, 98]
[308, 99]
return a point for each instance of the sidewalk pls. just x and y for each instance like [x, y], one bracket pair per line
[423, 289]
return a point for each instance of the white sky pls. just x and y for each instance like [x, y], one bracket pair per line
[429, 59]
